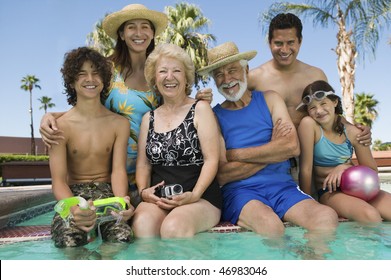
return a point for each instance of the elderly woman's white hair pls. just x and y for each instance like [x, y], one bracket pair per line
[171, 51]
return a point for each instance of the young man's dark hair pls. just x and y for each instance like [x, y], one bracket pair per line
[286, 21]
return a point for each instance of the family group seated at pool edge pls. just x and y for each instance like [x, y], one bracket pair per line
[188, 167]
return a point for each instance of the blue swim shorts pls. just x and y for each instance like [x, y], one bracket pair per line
[280, 196]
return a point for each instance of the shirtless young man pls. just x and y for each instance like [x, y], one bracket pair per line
[90, 161]
[287, 75]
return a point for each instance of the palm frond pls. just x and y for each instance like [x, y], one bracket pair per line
[321, 15]
[185, 29]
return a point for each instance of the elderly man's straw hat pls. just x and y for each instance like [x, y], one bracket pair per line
[223, 55]
[112, 22]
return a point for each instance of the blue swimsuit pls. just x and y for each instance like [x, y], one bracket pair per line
[273, 185]
[327, 153]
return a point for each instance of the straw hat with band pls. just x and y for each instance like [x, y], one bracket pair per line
[224, 54]
[112, 22]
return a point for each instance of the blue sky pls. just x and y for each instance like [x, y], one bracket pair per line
[37, 33]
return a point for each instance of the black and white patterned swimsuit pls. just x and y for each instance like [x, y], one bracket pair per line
[176, 157]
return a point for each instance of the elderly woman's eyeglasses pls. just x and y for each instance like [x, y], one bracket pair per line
[317, 95]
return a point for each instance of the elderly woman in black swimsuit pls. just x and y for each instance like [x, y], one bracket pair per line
[178, 144]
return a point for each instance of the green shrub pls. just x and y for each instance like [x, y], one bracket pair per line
[11, 157]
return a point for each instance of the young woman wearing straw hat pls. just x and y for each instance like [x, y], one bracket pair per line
[134, 27]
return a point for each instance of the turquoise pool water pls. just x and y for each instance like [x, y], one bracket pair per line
[350, 242]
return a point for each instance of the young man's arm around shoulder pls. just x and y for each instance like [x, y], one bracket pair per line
[363, 152]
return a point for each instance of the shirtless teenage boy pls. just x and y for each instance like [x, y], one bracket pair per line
[90, 161]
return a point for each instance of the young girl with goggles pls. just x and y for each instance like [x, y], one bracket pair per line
[327, 145]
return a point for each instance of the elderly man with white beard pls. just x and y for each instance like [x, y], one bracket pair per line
[258, 138]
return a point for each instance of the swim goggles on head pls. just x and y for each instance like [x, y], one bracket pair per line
[317, 95]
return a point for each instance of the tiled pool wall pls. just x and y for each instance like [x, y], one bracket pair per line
[15, 218]
[25, 215]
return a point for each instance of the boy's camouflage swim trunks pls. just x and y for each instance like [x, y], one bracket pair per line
[72, 236]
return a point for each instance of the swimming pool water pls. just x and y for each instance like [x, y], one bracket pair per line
[350, 242]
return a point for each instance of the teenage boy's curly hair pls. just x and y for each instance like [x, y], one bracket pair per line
[73, 63]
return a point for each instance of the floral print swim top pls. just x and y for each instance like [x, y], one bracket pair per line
[132, 104]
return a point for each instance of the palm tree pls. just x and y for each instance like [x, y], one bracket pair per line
[364, 109]
[28, 83]
[186, 22]
[46, 103]
[359, 24]
[376, 145]
[99, 40]
[379, 146]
